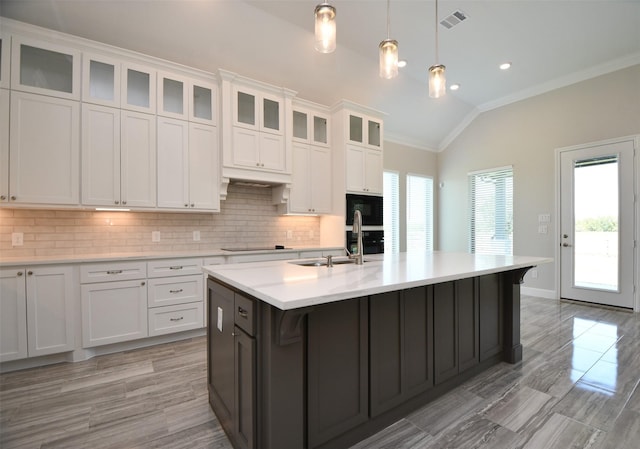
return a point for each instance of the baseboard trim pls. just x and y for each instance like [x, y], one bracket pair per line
[538, 292]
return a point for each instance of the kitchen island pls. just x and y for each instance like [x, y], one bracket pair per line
[304, 355]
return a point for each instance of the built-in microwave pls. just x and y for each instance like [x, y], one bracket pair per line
[369, 206]
[372, 242]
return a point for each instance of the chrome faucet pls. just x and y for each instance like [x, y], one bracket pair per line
[357, 229]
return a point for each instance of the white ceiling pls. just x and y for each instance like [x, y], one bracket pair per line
[550, 43]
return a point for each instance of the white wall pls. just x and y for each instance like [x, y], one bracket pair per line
[525, 134]
[408, 160]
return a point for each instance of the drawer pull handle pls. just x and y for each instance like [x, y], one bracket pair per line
[176, 319]
[114, 272]
[243, 313]
[177, 267]
[176, 291]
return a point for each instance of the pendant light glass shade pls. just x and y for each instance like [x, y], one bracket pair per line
[437, 81]
[388, 58]
[325, 30]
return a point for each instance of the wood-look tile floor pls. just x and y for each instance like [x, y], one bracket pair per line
[577, 387]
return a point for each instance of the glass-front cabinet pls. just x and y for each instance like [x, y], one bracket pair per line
[203, 99]
[310, 126]
[101, 80]
[5, 60]
[45, 68]
[364, 130]
[138, 88]
[258, 111]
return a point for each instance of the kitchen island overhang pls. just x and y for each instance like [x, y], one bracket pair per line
[321, 357]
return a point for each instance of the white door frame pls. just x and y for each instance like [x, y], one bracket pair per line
[636, 182]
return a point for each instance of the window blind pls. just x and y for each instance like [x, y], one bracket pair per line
[391, 207]
[419, 213]
[491, 203]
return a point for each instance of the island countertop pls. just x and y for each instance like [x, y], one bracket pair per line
[288, 285]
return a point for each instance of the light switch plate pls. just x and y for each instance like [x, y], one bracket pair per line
[17, 239]
[219, 324]
[155, 236]
[196, 236]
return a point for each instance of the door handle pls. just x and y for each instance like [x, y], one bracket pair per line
[566, 245]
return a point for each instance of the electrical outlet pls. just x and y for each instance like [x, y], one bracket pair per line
[196, 236]
[544, 218]
[534, 274]
[17, 239]
[155, 236]
[542, 229]
[289, 234]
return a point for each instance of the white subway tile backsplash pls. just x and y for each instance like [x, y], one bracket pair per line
[247, 218]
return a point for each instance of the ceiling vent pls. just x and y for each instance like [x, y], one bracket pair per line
[453, 19]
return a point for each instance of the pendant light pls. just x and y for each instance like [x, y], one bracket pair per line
[388, 53]
[437, 81]
[325, 21]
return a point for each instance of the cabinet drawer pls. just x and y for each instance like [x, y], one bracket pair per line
[174, 267]
[168, 319]
[105, 272]
[244, 315]
[174, 290]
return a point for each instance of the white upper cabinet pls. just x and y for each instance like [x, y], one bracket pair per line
[45, 68]
[364, 130]
[138, 88]
[258, 111]
[203, 106]
[5, 60]
[44, 150]
[311, 126]
[310, 180]
[173, 96]
[101, 80]
[138, 159]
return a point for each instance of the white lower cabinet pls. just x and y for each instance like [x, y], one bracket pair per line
[113, 312]
[36, 311]
[169, 319]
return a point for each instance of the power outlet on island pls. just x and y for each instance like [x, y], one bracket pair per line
[155, 236]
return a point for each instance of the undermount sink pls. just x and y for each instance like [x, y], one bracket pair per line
[323, 262]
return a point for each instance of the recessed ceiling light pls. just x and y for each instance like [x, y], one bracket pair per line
[402, 63]
[454, 87]
[505, 66]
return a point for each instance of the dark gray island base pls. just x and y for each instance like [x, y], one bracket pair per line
[330, 375]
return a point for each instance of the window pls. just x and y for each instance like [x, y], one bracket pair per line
[491, 201]
[391, 207]
[419, 213]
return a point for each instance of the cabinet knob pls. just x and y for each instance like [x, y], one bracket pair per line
[19, 273]
[30, 273]
[193, 205]
[186, 205]
[124, 202]
[3, 197]
[13, 198]
[143, 283]
[117, 202]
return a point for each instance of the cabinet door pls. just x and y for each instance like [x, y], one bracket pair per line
[355, 161]
[468, 324]
[45, 68]
[245, 108]
[246, 148]
[245, 390]
[138, 159]
[355, 129]
[272, 114]
[272, 152]
[203, 103]
[50, 308]
[374, 133]
[300, 197]
[373, 171]
[173, 93]
[220, 350]
[44, 150]
[337, 374]
[300, 126]
[5, 56]
[320, 179]
[321, 129]
[101, 80]
[173, 174]
[490, 305]
[138, 92]
[445, 332]
[13, 314]
[204, 167]
[100, 155]
[113, 312]
[4, 146]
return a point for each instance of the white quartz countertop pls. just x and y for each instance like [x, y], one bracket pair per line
[286, 285]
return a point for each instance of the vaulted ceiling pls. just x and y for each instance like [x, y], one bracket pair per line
[549, 43]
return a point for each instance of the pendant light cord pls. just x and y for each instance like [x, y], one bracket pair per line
[436, 23]
[388, 19]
